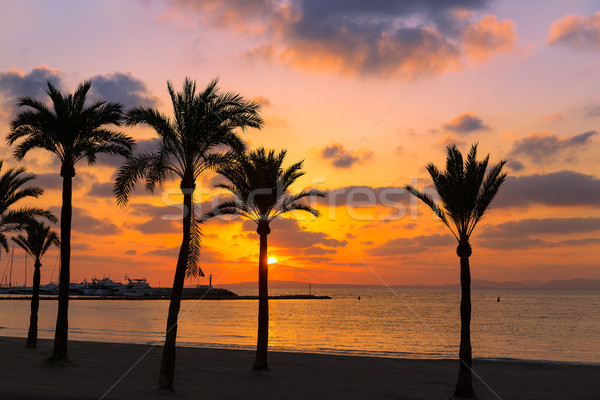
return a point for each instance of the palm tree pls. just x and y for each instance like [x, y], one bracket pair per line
[11, 191]
[37, 241]
[466, 194]
[202, 128]
[260, 185]
[72, 131]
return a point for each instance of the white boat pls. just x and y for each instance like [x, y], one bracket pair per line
[136, 287]
[102, 287]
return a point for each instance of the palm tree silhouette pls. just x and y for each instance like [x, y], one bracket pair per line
[260, 185]
[37, 241]
[194, 141]
[72, 131]
[11, 191]
[466, 194]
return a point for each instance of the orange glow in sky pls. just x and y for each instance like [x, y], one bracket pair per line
[367, 95]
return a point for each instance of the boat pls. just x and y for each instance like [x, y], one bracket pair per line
[49, 288]
[136, 287]
[102, 287]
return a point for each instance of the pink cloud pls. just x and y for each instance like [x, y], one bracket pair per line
[385, 39]
[576, 31]
[490, 36]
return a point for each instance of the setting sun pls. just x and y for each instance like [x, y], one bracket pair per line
[272, 260]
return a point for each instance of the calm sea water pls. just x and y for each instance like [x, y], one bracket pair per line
[545, 325]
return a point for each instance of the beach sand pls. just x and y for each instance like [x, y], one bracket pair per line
[225, 374]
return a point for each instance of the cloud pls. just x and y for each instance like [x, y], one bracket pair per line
[263, 101]
[417, 244]
[318, 251]
[287, 233]
[544, 226]
[393, 38]
[101, 189]
[365, 196]
[515, 165]
[16, 83]
[450, 140]
[466, 123]
[341, 158]
[206, 256]
[117, 87]
[558, 189]
[121, 88]
[490, 36]
[592, 111]
[85, 223]
[524, 234]
[142, 146]
[577, 32]
[163, 219]
[542, 148]
[49, 181]
[156, 225]
[53, 180]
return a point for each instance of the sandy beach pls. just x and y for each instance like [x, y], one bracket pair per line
[225, 374]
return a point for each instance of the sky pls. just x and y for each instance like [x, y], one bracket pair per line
[367, 93]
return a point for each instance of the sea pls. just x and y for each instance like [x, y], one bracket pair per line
[556, 326]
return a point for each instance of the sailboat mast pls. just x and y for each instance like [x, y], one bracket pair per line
[25, 284]
[12, 255]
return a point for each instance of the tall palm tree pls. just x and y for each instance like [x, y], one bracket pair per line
[72, 131]
[12, 191]
[39, 238]
[203, 127]
[465, 193]
[260, 185]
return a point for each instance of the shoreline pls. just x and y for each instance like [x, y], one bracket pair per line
[236, 297]
[225, 374]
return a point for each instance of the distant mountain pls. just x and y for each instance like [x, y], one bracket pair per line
[573, 284]
[579, 283]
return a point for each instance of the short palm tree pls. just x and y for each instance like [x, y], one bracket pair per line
[72, 131]
[12, 191]
[260, 185]
[38, 239]
[203, 127]
[466, 194]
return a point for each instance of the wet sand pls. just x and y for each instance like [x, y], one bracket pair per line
[99, 372]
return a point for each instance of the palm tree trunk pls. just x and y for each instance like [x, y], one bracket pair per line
[35, 305]
[262, 342]
[464, 384]
[62, 319]
[167, 366]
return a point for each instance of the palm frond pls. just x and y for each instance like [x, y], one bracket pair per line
[227, 208]
[3, 242]
[464, 190]
[260, 185]
[70, 129]
[437, 210]
[134, 169]
[25, 215]
[193, 265]
[488, 192]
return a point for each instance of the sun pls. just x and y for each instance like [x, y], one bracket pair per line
[272, 260]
